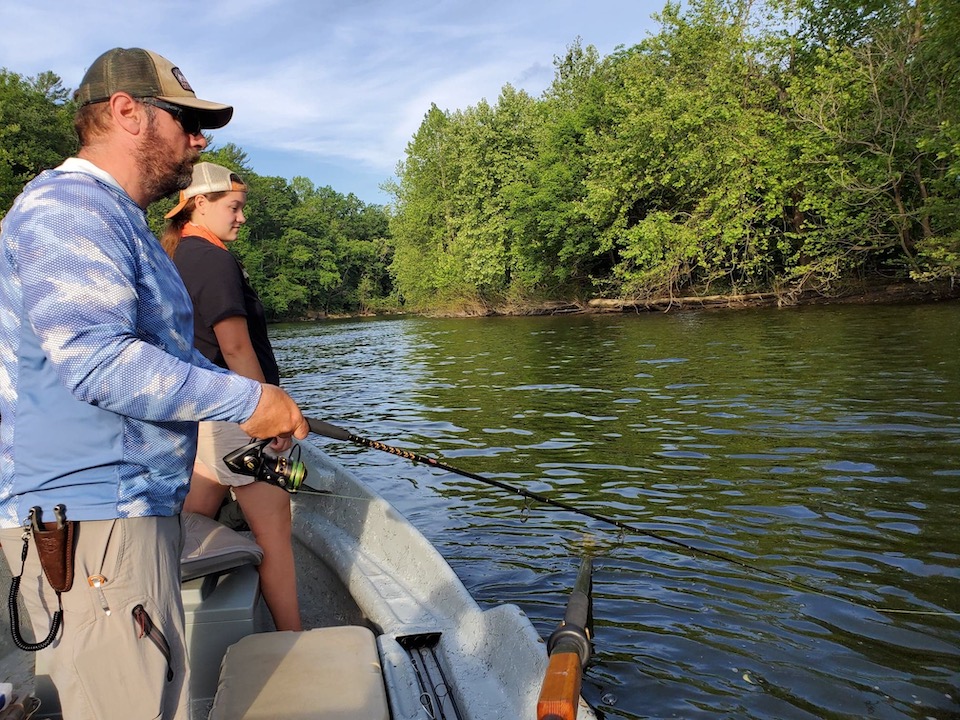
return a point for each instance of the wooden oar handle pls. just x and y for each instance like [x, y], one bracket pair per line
[560, 695]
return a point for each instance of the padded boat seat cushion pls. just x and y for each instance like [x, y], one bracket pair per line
[324, 674]
[209, 547]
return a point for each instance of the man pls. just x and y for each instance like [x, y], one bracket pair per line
[100, 390]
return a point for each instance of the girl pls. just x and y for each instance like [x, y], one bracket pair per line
[231, 330]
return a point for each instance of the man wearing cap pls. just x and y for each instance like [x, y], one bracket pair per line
[101, 390]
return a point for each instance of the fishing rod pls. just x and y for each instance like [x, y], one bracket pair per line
[333, 432]
[289, 474]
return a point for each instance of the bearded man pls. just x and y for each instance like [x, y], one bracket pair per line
[100, 394]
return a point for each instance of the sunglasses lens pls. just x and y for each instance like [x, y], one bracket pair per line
[190, 123]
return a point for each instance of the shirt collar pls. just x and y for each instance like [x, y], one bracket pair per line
[75, 164]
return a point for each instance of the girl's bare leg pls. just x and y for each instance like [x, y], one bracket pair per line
[267, 512]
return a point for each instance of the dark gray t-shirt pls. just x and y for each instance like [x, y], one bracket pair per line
[219, 289]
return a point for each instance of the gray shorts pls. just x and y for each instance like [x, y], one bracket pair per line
[217, 439]
[101, 666]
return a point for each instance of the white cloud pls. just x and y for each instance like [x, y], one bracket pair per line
[326, 83]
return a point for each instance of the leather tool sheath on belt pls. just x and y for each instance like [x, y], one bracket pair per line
[55, 548]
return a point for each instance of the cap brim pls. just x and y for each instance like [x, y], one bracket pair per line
[178, 207]
[212, 115]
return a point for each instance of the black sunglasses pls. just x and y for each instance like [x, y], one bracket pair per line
[189, 120]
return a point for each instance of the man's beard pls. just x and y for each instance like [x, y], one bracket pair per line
[161, 174]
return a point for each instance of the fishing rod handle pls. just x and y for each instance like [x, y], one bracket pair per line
[327, 430]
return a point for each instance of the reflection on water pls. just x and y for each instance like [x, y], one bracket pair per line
[820, 444]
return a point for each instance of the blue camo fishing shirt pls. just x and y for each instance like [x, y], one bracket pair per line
[100, 386]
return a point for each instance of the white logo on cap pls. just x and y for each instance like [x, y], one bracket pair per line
[181, 79]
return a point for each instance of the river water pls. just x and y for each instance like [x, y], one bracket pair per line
[819, 447]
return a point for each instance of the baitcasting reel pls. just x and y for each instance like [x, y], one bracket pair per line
[287, 473]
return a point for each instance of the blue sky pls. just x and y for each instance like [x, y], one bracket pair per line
[330, 91]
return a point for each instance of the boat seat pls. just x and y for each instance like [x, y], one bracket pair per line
[329, 673]
[209, 548]
[220, 591]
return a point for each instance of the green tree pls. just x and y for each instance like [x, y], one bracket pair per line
[423, 223]
[687, 176]
[36, 129]
[876, 115]
[343, 230]
[555, 247]
[495, 142]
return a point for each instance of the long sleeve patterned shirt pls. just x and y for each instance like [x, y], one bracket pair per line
[100, 387]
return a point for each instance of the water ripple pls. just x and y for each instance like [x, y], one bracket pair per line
[819, 446]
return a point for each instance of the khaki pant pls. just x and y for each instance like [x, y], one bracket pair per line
[102, 668]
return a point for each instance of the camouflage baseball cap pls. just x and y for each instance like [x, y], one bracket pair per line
[143, 74]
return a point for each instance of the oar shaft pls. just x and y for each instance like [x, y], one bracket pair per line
[578, 607]
[560, 693]
[569, 647]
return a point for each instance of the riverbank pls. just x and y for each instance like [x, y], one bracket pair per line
[865, 293]
[862, 293]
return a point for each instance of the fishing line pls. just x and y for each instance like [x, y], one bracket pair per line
[322, 428]
[941, 613]
[327, 494]
[333, 432]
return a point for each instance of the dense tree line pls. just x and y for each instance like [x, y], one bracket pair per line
[747, 145]
[725, 153]
[308, 250]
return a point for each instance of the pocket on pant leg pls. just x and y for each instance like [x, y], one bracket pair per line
[123, 671]
[149, 632]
